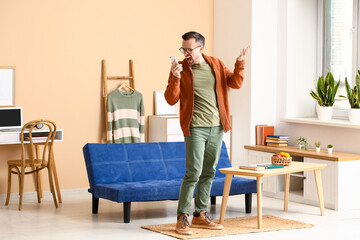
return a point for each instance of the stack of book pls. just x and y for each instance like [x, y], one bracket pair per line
[261, 132]
[277, 140]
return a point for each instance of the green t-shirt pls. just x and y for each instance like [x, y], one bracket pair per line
[206, 112]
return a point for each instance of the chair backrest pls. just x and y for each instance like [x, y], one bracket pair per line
[35, 139]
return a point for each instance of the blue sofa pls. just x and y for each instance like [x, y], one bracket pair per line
[137, 172]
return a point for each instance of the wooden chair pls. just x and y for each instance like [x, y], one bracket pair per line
[34, 160]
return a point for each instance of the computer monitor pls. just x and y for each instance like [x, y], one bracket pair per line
[11, 118]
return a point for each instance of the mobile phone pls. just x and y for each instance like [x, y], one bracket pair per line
[173, 58]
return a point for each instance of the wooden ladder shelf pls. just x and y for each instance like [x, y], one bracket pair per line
[105, 78]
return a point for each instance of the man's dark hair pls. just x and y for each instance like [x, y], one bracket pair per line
[198, 37]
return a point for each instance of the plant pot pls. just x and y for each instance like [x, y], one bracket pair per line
[324, 113]
[330, 150]
[317, 149]
[354, 115]
[302, 146]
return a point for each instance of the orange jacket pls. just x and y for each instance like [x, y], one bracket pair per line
[183, 88]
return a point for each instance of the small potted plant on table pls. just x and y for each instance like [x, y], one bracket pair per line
[317, 146]
[302, 143]
[330, 148]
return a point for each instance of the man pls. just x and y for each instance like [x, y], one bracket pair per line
[201, 84]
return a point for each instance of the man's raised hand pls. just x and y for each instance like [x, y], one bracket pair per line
[243, 53]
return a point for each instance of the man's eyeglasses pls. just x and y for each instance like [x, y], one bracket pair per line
[187, 50]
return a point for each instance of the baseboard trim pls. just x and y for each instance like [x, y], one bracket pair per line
[33, 195]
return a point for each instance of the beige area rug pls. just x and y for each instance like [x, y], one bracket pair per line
[233, 226]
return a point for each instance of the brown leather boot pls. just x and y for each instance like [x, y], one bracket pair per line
[202, 220]
[183, 225]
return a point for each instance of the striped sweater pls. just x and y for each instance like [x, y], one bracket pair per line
[126, 117]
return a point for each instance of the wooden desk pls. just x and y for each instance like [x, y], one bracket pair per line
[295, 167]
[14, 137]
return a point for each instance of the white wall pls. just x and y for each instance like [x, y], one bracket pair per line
[264, 64]
[232, 32]
[279, 72]
[236, 25]
[300, 17]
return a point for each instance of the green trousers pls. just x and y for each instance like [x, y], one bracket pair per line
[203, 150]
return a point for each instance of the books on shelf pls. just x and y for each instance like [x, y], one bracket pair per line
[279, 137]
[277, 144]
[270, 140]
[277, 140]
[257, 134]
[261, 132]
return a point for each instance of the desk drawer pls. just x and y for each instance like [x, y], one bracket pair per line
[9, 137]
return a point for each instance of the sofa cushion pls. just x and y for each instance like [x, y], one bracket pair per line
[174, 155]
[106, 163]
[164, 190]
[139, 191]
[145, 162]
[224, 162]
[115, 163]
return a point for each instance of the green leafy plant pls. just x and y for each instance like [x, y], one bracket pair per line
[330, 146]
[302, 141]
[326, 90]
[317, 144]
[353, 94]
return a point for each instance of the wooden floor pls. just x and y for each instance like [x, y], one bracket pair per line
[74, 220]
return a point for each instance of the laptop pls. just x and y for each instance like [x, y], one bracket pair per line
[11, 119]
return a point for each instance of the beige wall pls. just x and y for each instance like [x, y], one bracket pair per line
[57, 48]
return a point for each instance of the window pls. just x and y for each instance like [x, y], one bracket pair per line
[341, 46]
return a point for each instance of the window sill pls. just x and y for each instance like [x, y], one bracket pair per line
[315, 121]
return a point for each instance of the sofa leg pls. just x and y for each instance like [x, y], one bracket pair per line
[248, 201]
[127, 206]
[213, 200]
[95, 204]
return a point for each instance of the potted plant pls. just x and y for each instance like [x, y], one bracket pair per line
[302, 143]
[317, 146]
[325, 96]
[353, 95]
[330, 148]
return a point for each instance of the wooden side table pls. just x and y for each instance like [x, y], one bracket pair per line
[295, 167]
